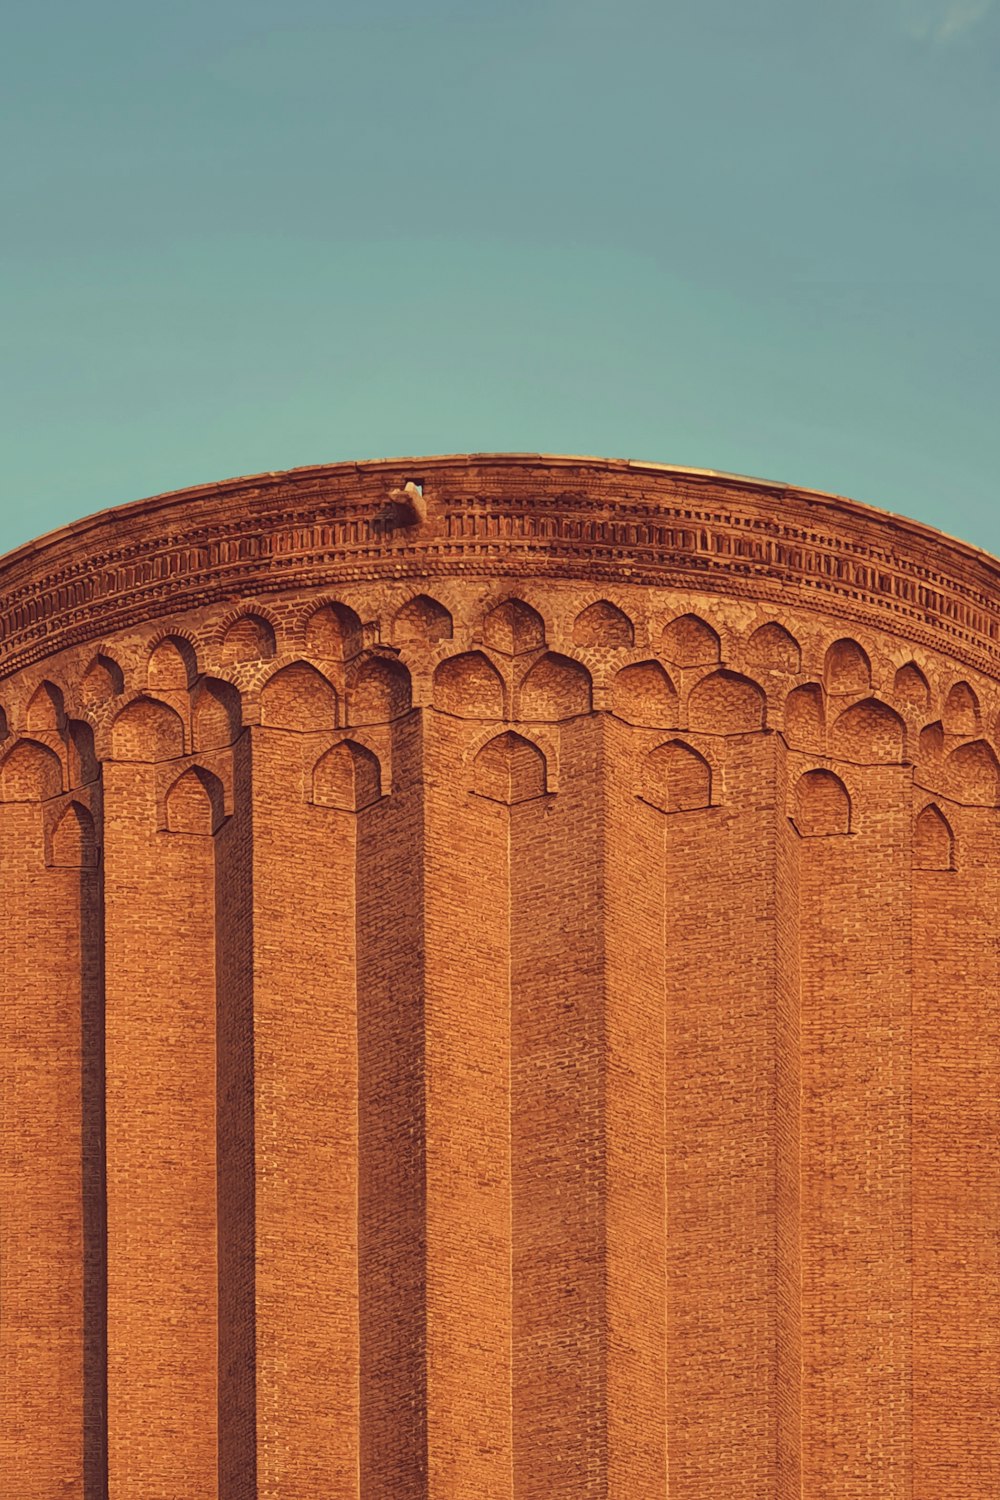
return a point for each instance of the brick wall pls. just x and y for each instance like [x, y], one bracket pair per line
[480, 1029]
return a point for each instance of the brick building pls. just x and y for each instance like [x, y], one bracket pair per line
[499, 993]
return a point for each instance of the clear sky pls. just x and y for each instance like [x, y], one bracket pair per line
[753, 235]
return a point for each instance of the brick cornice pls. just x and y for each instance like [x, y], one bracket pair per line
[499, 515]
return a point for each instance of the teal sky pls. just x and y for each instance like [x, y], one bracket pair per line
[752, 235]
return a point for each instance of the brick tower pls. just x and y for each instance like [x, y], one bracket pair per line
[499, 993]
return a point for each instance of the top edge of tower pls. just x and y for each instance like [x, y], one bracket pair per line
[557, 515]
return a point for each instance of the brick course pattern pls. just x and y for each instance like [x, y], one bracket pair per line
[500, 968]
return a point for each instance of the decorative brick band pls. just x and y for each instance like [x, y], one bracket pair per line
[495, 516]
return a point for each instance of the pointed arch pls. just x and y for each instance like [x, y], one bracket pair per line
[933, 840]
[555, 688]
[772, 648]
[83, 767]
[195, 803]
[347, 777]
[822, 805]
[45, 711]
[961, 711]
[975, 773]
[147, 730]
[644, 694]
[726, 703]
[911, 687]
[869, 732]
[300, 698]
[74, 839]
[805, 720]
[689, 641]
[379, 691]
[334, 633]
[931, 743]
[509, 769]
[422, 621]
[676, 778]
[172, 665]
[846, 668]
[102, 680]
[248, 638]
[217, 715]
[30, 772]
[469, 686]
[603, 624]
[513, 628]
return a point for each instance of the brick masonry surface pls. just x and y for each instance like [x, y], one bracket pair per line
[499, 976]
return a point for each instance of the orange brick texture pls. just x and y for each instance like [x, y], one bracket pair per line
[499, 963]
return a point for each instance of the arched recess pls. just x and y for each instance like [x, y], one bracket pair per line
[555, 688]
[147, 730]
[45, 711]
[217, 716]
[676, 778]
[869, 732]
[975, 773]
[805, 721]
[644, 694]
[422, 621]
[911, 687]
[469, 686]
[74, 839]
[603, 624]
[195, 803]
[931, 743]
[82, 757]
[513, 628]
[726, 703]
[961, 711]
[299, 698]
[689, 641]
[772, 648]
[30, 772]
[933, 840]
[172, 665]
[379, 691]
[4, 728]
[347, 777]
[822, 805]
[509, 769]
[250, 638]
[102, 681]
[846, 668]
[334, 633]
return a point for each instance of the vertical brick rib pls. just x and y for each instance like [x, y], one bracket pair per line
[787, 1084]
[720, 1108]
[956, 1172]
[305, 1078]
[469, 1314]
[161, 1148]
[235, 1138]
[391, 1190]
[52, 1335]
[636, 1281]
[557, 1130]
[854, 915]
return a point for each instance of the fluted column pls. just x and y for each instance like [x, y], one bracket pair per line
[52, 1330]
[160, 894]
[854, 951]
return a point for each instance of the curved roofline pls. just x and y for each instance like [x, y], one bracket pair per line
[148, 505]
[492, 514]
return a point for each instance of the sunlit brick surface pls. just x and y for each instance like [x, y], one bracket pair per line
[499, 963]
